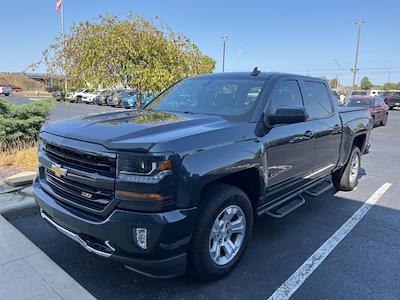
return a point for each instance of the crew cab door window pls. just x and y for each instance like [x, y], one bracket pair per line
[285, 93]
[317, 100]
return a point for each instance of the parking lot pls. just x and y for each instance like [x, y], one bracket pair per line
[364, 265]
[65, 110]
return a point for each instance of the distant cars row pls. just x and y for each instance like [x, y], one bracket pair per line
[376, 106]
[116, 98]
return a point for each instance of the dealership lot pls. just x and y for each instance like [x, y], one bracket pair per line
[363, 265]
[65, 110]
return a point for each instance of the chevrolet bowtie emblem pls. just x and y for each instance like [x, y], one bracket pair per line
[58, 170]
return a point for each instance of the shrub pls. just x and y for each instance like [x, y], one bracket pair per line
[21, 123]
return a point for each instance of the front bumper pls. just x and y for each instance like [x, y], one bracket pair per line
[169, 234]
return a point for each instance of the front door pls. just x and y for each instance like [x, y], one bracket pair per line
[288, 148]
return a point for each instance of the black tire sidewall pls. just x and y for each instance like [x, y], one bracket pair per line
[345, 183]
[216, 200]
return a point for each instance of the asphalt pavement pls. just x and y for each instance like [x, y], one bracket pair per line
[364, 265]
[64, 110]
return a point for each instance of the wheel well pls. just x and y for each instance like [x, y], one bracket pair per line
[247, 180]
[359, 141]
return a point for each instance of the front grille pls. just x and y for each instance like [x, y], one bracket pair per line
[81, 161]
[79, 194]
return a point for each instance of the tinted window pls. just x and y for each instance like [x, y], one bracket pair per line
[317, 100]
[285, 93]
[217, 96]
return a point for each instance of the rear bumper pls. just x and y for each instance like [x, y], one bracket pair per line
[168, 237]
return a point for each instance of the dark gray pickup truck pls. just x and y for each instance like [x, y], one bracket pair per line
[175, 187]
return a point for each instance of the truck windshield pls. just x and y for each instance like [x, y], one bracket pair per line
[216, 96]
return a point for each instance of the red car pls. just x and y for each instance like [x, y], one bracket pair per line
[376, 106]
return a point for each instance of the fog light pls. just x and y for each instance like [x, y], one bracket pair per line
[141, 238]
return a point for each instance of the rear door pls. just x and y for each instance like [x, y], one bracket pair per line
[325, 124]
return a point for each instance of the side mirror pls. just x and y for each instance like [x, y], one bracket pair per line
[286, 115]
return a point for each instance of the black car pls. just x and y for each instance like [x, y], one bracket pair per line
[59, 95]
[176, 186]
[392, 99]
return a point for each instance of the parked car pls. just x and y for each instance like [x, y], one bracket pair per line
[77, 96]
[59, 95]
[176, 186]
[129, 102]
[89, 96]
[391, 98]
[116, 100]
[375, 92]
[6, 90]
[376, 106]
[101, 98]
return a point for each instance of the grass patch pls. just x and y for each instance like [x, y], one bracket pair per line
[22, 155]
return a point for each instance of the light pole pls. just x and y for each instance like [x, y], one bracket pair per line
[359, 23]
[337, 76]
[224, 38]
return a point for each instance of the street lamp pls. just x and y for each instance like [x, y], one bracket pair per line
[224, 38]
[359, 23]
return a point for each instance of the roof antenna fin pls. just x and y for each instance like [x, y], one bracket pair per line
[255, 72]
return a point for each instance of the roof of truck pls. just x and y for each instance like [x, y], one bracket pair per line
[263, 75]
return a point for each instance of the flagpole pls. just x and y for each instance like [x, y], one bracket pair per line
[63, 41]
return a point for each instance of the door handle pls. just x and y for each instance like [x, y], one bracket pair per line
[308, 134]
[336, 128]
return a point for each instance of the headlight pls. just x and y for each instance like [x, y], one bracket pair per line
[142, 169]
[41, 145]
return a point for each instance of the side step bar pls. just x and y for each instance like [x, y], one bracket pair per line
[319, 188]
[286, 207]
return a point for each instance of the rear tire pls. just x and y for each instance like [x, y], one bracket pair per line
[384, 121]
[346, 179]
[223, 230]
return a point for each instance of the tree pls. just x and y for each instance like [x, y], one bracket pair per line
[365, 83]
[390, 86]
[129, 52]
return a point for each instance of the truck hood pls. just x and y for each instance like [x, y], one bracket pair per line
[136, 130]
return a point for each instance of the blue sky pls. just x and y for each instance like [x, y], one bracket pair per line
[293, 36]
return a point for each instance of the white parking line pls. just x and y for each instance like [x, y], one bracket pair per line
[289, 287]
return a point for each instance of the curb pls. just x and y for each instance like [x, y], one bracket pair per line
[25, 207]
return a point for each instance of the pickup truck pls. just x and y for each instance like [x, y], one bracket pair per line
[174, 188]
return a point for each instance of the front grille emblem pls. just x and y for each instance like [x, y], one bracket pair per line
[86, 195]
[58, 170]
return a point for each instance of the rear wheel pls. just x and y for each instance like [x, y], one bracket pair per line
[346, 179]
[384, 121]
[222, 232]
[7, 94]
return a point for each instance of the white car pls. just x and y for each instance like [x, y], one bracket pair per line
[89, 97]
[6, 90]
[78, 96]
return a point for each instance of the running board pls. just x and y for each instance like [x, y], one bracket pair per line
[319, 188]
[286, 207]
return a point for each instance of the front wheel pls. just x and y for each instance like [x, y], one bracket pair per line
[346, 179]
[222, 233]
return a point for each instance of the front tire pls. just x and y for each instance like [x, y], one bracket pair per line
[346, 179]
[222, 233]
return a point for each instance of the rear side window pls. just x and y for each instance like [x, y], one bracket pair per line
[317, 100]
[285, 93]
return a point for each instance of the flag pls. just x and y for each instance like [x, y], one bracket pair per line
[58, 5]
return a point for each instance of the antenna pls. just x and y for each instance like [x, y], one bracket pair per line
[255, 72]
